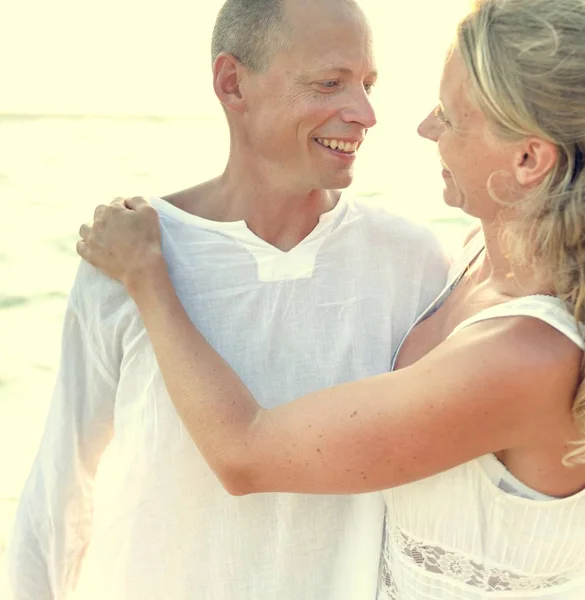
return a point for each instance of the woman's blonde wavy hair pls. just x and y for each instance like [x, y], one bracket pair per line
[526, 61]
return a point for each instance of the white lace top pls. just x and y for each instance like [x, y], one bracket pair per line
[476, 532]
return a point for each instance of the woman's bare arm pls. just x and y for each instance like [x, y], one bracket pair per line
[483, 390]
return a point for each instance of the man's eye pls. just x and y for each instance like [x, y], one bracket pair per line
[330, 83]
[369, 87]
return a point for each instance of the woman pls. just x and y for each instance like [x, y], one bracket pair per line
[478, 434]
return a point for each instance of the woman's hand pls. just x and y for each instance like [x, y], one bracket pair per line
[124, 241]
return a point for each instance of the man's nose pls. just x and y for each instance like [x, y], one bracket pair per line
[360, 110]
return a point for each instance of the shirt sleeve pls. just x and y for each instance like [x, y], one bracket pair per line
[54, 517]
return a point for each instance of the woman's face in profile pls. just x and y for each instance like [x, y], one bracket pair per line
[471, 156]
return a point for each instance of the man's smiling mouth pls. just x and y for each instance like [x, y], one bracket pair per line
[338, 145]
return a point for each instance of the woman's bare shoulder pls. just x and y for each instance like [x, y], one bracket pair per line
[528, 354]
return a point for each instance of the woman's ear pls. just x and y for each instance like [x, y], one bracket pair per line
[227, 79]
[534, 161]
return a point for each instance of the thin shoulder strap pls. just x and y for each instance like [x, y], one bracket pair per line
[466, 257]
[549, 309]
[456, 272]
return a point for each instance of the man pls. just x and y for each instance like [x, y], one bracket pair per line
[295, 284]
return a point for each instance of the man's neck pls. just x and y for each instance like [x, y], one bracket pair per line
[280, 217]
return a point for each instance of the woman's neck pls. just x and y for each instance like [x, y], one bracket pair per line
[496, 268]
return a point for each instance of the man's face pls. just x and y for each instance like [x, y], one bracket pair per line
[309, 112]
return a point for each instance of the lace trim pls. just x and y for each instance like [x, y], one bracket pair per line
[386, 585]
[456, 567]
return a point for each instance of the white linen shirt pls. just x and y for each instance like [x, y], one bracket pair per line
[154, 523]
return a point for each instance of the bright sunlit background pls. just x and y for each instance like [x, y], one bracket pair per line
[99, 99]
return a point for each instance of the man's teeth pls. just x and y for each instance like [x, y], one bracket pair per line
[347, 147]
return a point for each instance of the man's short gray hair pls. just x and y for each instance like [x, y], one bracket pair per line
[251, 30]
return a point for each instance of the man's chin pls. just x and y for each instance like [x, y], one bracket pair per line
[339, 181]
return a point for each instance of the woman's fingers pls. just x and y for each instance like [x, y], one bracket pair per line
[84, 231]
[99, 212]
[135, 203]
[81, 248]
[123, 239]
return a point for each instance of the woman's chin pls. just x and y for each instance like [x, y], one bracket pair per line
[452, 197]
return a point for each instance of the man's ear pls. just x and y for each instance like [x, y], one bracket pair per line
[227, 79]
[534, 161]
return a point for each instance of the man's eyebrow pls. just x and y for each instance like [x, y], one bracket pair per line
[339, 69]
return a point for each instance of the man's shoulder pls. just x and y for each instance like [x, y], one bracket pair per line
[93, 292]
[195, 201]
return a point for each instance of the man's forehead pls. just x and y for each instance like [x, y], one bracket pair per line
[339, 50]
[323, 37]
[312, 20]
[302, 11]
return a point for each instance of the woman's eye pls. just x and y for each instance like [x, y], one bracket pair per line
[439, 114]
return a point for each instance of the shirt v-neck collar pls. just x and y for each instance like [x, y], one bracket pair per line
[273, 264]
[240, 229]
